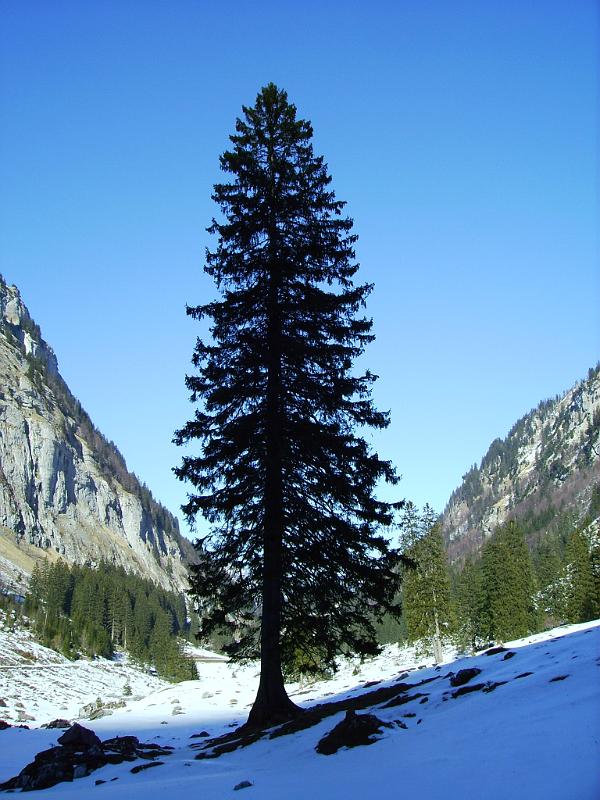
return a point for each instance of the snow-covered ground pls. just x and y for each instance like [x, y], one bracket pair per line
[38, 685]
[532, 737]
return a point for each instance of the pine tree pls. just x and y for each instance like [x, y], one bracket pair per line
[509, 585]
[582, 601]
[283, 480]
[470, 606]
[426, 586]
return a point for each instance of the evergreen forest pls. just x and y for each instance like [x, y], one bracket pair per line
[522, 581]
[80, 610]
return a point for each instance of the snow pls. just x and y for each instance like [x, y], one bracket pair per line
[38, 685]
[532, 738]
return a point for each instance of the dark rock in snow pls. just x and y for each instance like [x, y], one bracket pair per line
[201, 735]
[242, 785]
[475, 687]
[79, 738]
[401, 701]
[4, 725]
[57, 723]
[491, 686]
[354, 730]
[121, 744]
[509, 654]
[523, 675]
[149, 765]
[464, 676]
[79, 753]
[558, 678]
[493, 650]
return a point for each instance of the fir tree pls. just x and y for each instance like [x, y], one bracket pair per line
[426, 586]
[470, 606]
[509, 585]
[284, 481]
[582, 600]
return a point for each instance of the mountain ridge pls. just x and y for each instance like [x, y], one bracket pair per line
[65, 490]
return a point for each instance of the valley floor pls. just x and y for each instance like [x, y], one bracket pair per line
[536, 735]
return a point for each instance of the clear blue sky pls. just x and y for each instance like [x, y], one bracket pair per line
[463, 135]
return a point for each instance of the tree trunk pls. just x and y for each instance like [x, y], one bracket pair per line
[438, 652]
[272, 705]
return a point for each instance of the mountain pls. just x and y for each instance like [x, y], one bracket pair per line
[546, 466]
[65, 490]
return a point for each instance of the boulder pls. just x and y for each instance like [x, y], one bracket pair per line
[57, 723]
[80, 752]
[464, 676]
[79, 738]
[354, 730]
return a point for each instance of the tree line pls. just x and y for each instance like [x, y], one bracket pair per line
[508, 591]
[80, 610]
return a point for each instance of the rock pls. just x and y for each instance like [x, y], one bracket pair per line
[242, 785]
[464, 676]
[57, 723]
[475, 687]
[125, 745]
[79, 738]
[79, 753]
[558, 678]
[99, 782]
[493, 650]
[4, 725]
[354, 730]
[493, 685]
[201, 735]
[80, 771]
[3, 703]
[509, 654]
[147, 765]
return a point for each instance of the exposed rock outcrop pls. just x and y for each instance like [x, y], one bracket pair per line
[80, 752]
[64, 489]
[548, 463]
[353, 731]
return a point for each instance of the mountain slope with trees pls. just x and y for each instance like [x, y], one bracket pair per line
[542, 474]
[65, 491]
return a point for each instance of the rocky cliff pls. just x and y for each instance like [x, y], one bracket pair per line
[547, 464]
[64, 489]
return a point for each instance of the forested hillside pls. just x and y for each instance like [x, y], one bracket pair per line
[78, 610]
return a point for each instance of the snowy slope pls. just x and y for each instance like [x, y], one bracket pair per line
[38, 685]
[532, 737]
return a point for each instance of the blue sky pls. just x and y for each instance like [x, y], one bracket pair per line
[464, 137]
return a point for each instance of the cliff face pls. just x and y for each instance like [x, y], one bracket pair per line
[64, 490]
[550, 459]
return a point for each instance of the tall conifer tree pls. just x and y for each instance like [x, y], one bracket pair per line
[426, 584]
[509, 585]
[284, 481]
